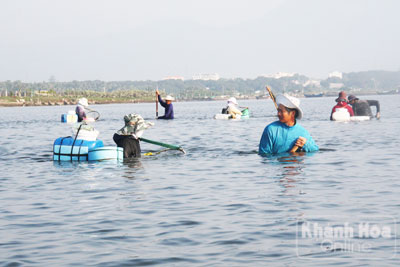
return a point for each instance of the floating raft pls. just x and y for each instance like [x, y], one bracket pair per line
[68, 149]
[69, 118]
[341, 114]
[225, 117]
[245, 115]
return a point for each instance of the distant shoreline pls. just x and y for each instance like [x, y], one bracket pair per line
[22, 103]
[51, 103]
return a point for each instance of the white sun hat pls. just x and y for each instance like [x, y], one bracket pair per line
[232, 100]
[169, 98]
[290, 102]
[83, 101]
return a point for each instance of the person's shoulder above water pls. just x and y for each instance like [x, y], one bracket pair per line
[80, 108]
[276, 124]
[342, 103]
[310, 145]
[232, 108]
[363, 107]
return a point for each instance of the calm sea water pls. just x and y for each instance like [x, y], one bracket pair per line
[221, 204]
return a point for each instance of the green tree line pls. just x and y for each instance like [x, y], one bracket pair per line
[197, 89]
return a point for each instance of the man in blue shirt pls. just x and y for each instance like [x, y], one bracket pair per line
[281, 136]
[169, 109]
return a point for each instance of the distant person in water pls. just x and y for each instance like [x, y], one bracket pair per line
[232, 108]
[128, 136]
[363, 107]
[80, 109]
[282, 135]
[169, 109]
[342, 103]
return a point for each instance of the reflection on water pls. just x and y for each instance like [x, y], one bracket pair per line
[131, 168]
[133, 163]
[291, 167]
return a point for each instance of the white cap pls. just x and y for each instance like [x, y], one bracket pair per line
[290, 102]
[232, 100]
[83, 101]
[169, 98]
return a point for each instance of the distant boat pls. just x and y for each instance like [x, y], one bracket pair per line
[314, 95]
[393, 92]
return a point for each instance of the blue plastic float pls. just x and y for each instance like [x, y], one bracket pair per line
[68, 149]
[70, 117]
[106, 153]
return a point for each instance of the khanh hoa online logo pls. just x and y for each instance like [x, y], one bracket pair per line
[367, 238]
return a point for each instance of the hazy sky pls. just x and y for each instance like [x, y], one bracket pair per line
[150, 39]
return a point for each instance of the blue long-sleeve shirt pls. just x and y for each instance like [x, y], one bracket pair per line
[279, 138]
[169, 110]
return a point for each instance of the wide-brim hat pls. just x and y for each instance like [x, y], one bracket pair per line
[352, 97]
[83, 101]
[342, 97]
[290, 102]
[232, 100]
[132, 118]
[170, 98]
[139, 124]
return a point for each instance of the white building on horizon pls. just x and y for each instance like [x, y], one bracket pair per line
[335, 85]
[315, 83]
[279, 75]
[174, 78]
[206, 77]
[335, 74]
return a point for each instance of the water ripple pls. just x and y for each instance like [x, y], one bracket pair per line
[221, 204]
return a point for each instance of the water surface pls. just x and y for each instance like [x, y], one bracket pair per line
[220, 204]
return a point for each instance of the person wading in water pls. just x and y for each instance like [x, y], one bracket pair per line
[282, 135]
[169, 109]
[363, 107]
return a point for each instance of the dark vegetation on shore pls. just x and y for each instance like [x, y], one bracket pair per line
[17, 93]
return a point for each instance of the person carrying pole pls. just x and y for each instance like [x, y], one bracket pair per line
[169, 109]
[286, 135]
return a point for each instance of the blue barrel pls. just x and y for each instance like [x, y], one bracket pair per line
[64, 149]
[63, 117]
[106, 153]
